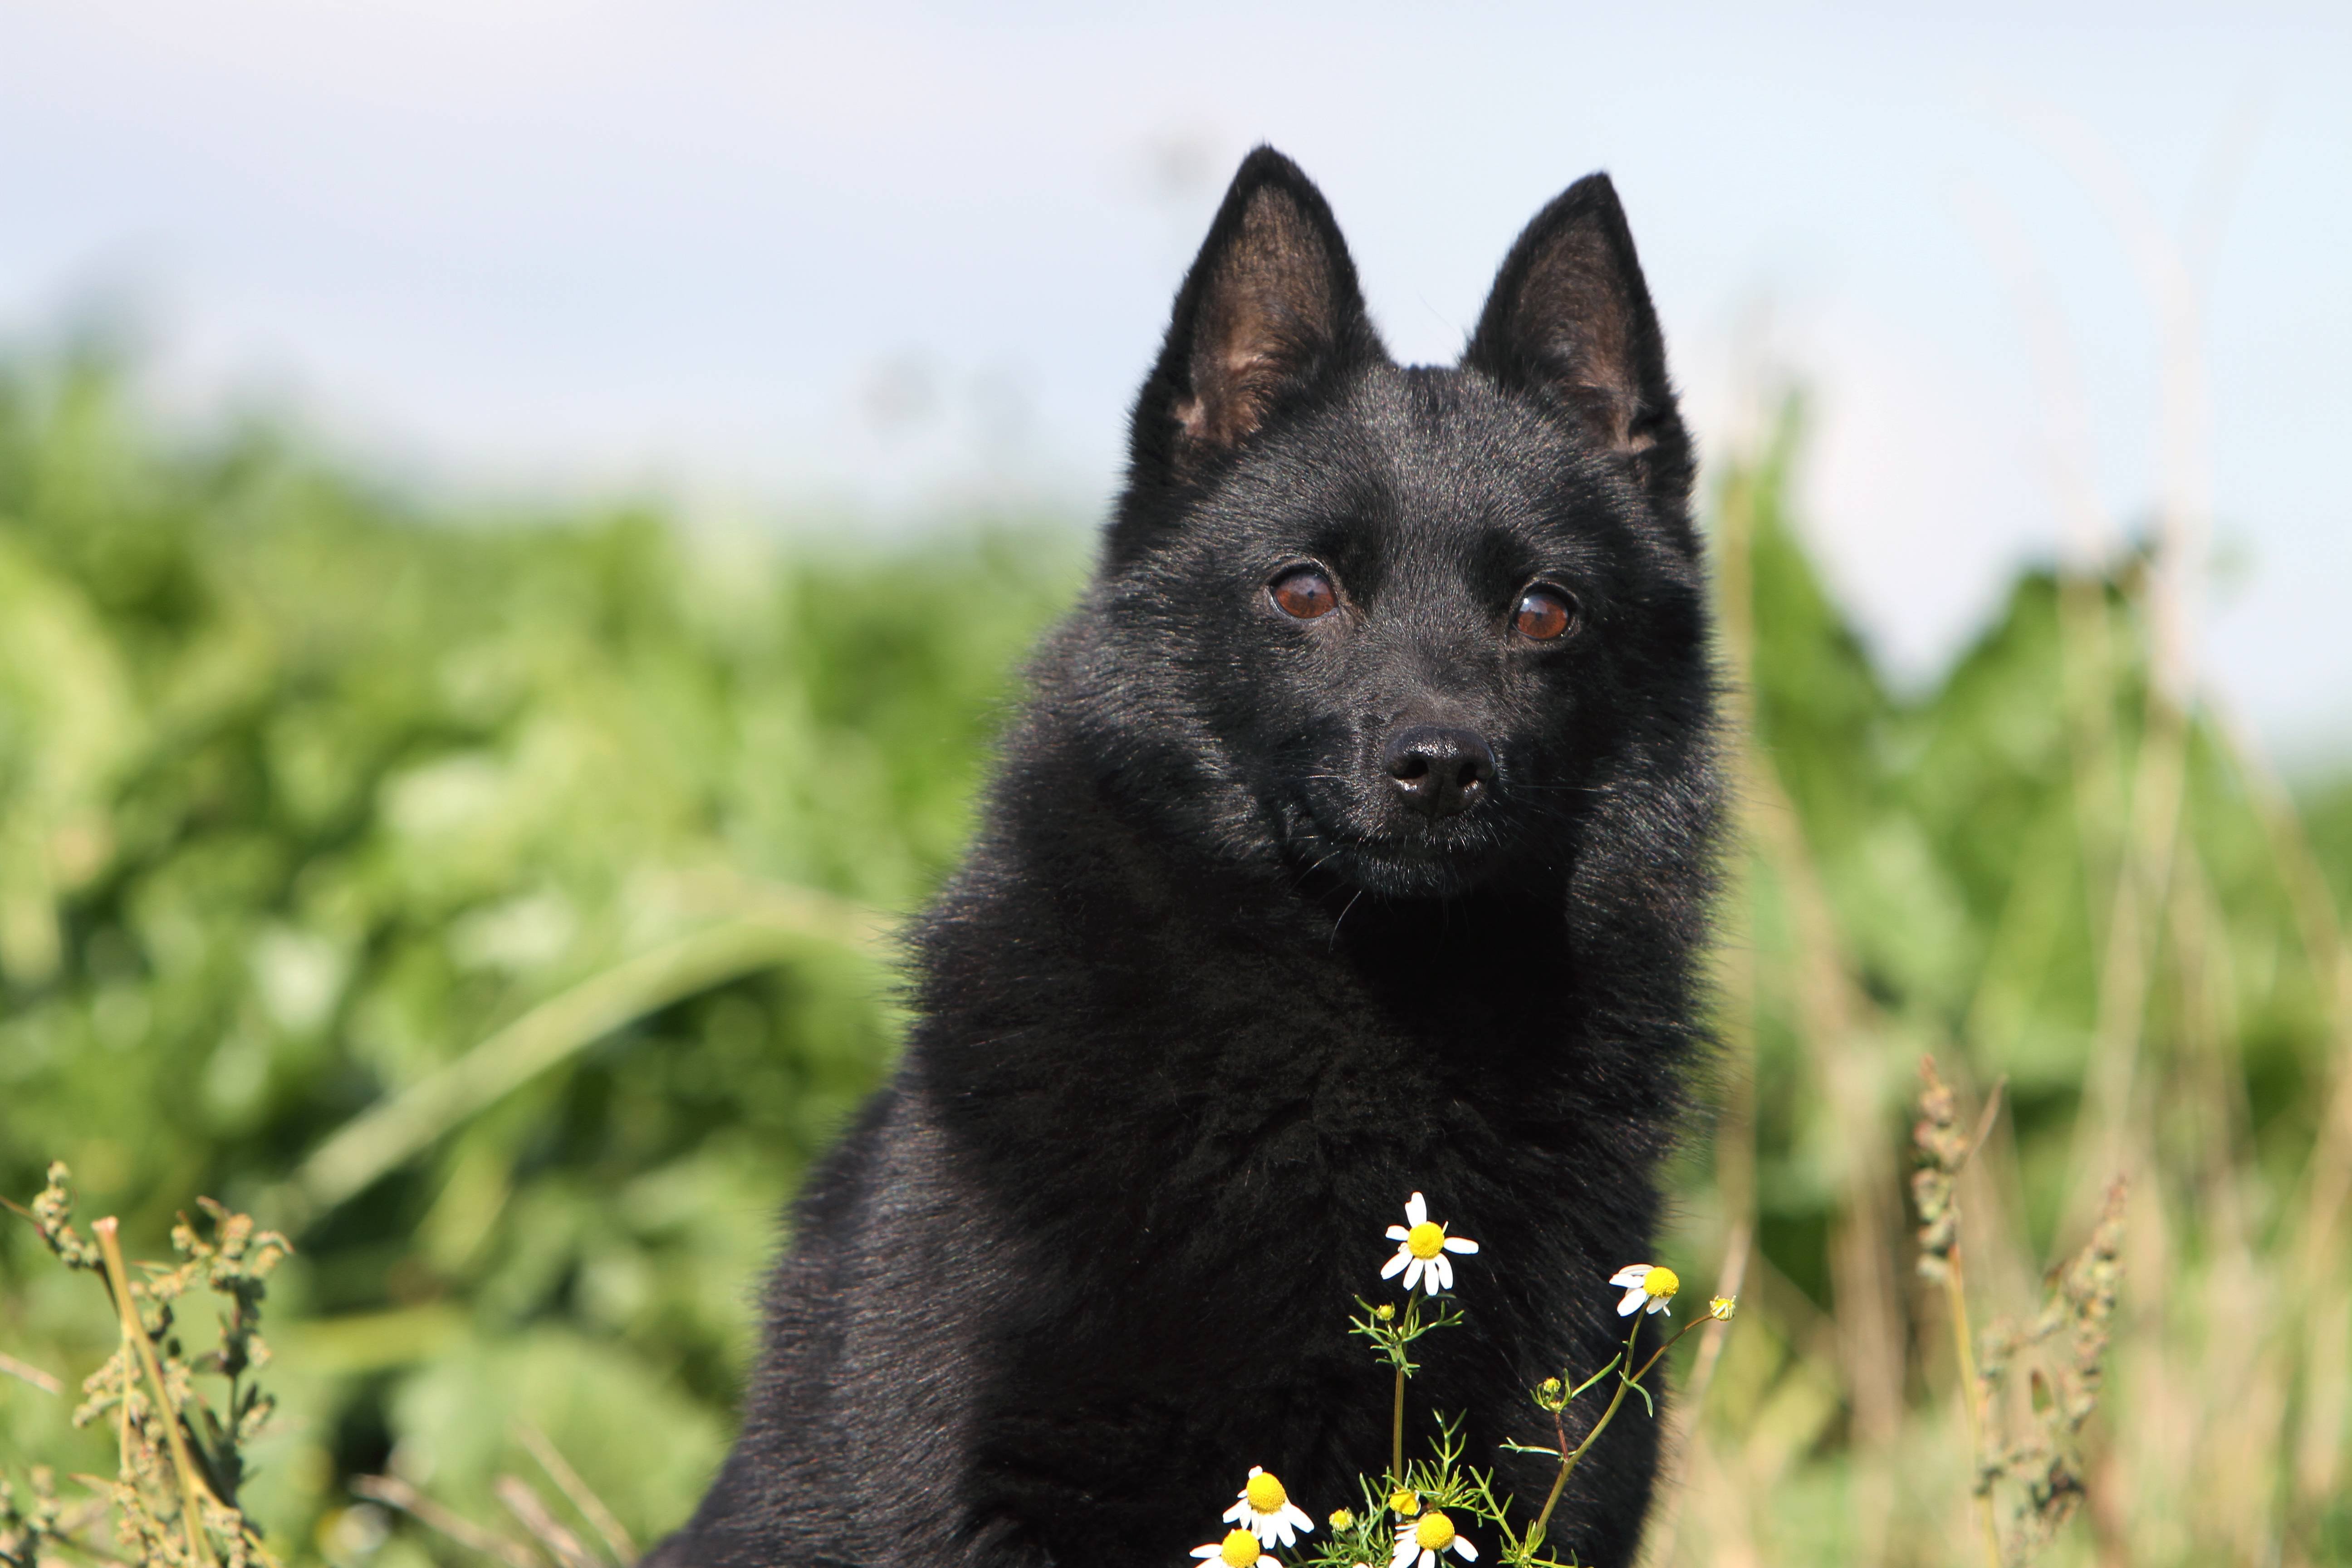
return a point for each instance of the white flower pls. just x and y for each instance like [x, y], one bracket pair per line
[1239, 1549]
[1653, 1284]
[1427, 1536]
[1266, 1508]
[1422, 1249]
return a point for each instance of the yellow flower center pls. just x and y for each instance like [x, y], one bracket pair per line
[1342, 1517]
[1434, 1533]
[1406, 1503]
[1427, 1240]
[1660, 1281]
[1240, 1550]
[1266, 1493]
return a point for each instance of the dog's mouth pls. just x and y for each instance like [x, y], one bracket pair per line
[1411, 849]
[1399, 867]
[1414, 859]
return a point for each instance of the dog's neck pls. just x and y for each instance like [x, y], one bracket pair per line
[1094, 910]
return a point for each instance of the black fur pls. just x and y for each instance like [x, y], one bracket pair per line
[1210, 998]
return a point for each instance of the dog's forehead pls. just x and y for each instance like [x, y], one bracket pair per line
[1459, 465]
[1416, 475]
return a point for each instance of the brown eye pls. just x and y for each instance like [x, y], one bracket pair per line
[1545, 614]
[1304, 593]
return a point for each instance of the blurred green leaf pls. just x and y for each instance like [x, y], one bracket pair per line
[504, 897]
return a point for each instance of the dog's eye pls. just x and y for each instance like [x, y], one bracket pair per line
[1304, 593]
[1545, 614]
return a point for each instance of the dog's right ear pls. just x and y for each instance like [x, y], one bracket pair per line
[1571, 322]
[1269, 311]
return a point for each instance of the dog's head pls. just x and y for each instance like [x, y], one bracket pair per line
[1398, 624]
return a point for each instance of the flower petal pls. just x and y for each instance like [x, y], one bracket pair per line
[1658, 1303]
[1632, 1301]
[1412, 1272]
[1233, 1514]
[1441, 1268]
[1416, 1210]
[1469, 1553]
[1461, 1244]
[1297, 1516]
[1632, 1274]
[1211, 1550]
[1388, 1270]
[1404, 1549]
[1398, 1233]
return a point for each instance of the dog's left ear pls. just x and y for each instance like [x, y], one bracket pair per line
[1569, 321]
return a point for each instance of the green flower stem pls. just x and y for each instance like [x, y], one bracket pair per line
[1662, 1350]
[1607, 1367]
[1396, 1435]
[1570, 1458]
[1559, 1482]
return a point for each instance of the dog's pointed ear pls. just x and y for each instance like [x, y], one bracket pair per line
[1570, 321]
[1269, 310]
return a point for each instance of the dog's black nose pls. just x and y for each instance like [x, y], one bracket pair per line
[1440, 772]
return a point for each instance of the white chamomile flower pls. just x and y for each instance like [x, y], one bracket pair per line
[1239, 1549]
[1646, 1284]
[1422, 1246]
[1267, 1510]
[1425, 1537]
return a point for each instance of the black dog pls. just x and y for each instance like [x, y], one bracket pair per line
[1355, 841]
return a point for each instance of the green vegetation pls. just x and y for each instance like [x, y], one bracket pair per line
[497, 906]
[302, 797]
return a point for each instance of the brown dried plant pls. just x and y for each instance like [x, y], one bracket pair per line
[1944, 1150]
[2031, 1471]
[173, 1499]
[2042, 1468]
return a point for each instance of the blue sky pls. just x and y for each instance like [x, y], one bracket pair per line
[855, 263]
